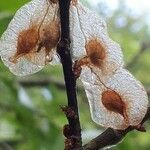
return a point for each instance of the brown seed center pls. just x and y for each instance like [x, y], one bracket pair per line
[27, 40]
[113, 102]
[96, 52]
[50, 36]
[31, 41]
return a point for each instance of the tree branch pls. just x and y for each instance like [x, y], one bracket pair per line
[111, 137]
[73, 130]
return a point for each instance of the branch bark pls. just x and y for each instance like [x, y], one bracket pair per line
[111, 137]
[73, 130]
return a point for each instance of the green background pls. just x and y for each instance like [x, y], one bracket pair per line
[38, 124]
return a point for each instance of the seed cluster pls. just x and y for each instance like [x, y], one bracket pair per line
[35, 39]
[110, 88]
[116, 98]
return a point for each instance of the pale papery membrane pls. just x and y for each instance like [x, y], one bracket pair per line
[28, 15]
[130, 90]
[86, 25]
[78, 40]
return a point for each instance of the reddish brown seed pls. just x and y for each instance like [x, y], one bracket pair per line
[95, 56]
[50, 36]
[27, 40]
[113, 102]
[26, 43]
[96, 52]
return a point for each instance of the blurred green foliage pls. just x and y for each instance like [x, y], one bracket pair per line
[36, 123]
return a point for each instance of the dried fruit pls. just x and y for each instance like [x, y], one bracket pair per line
[30, 41]
[113, 102]
[96, 52]
[91, 45]
[116, 98]
[116, 101]
[49, 36]
[27, 41]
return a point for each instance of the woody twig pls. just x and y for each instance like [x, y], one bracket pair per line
[112, 137]
[72, 131]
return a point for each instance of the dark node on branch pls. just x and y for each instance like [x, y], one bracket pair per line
[67, 131]
[69, 112]
[63, 44]
[140, 128]
[72, 143]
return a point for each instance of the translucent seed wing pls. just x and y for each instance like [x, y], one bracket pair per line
[131, 92]
[85, 25]
[28, 15]
[78, 40]
[90, 22]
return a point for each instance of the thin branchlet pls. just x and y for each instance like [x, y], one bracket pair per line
[72, 131]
